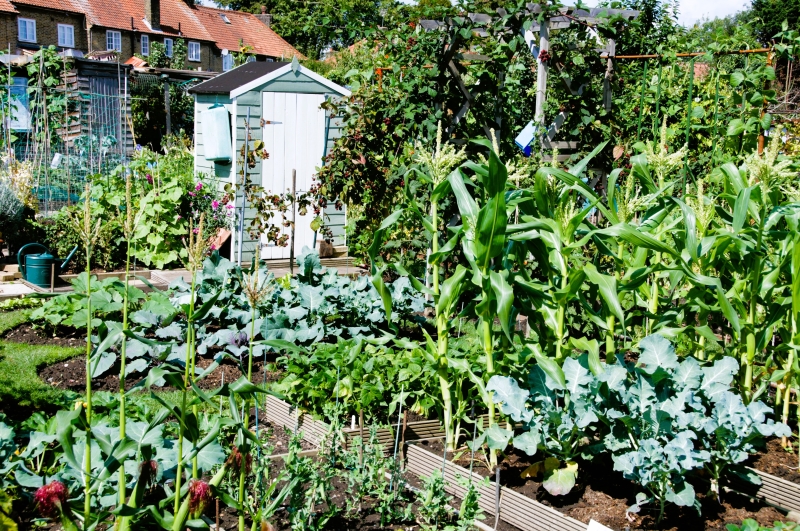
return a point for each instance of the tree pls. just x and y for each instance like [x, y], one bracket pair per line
[312, 26]
[768, 15]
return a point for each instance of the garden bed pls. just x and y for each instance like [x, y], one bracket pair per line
[71, 375]
[600, 494]
[28, 334]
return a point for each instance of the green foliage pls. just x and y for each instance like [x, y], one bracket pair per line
[314, 27]
[751, 525]
[660, 419]
[362, 377]
[70, 310]
[767, 17]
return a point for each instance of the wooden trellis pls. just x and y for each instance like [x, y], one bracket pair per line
[568, 16]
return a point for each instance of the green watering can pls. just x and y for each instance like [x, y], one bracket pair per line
[37, 268]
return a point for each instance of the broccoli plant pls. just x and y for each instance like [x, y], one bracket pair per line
[660, 418]
[559, 416]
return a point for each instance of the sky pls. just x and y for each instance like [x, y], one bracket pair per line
[693, 10]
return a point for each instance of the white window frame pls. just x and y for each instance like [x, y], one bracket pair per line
[168, 47]
[115, 38]
[25, 21]
[144, 45]
[69, 30]
[194, 45]
[227, 62]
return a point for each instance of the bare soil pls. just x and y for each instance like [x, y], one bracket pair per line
[26, 333]
[71, 375]
[604, 495]
[777, 461]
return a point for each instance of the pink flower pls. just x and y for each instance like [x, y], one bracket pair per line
[51, 499]
[198, 187]
[213, 247]
[199, 496]
[214, 204]
[229, 206]
[179, 216]
[196, 230]
[149, 178]
[191, 194]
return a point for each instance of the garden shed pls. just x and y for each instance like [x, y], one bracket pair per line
[280, 102]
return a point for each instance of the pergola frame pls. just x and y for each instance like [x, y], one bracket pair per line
[565, 19]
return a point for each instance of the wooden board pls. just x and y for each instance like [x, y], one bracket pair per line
[773, 491]
[515, 508]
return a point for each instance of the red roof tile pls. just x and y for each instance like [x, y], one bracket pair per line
[59, 5]
[136, 62]
[129, 15]
[246, 28]
[179, 18]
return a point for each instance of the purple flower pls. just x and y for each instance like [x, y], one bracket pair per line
[191, 194]
[229, 206]
[214, 204]
[149, 178]
[198, 187]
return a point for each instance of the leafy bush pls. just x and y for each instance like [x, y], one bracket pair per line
[659, 418]
[70, 309]
[365, 378]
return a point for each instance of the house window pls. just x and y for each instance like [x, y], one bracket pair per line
[66, 35]
[225, 18]
[113, 41]
[27, 30]
[194, 51]
[227, 62]
[168, 47]
[145, 45]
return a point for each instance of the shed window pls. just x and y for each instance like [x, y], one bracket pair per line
[145, 45]
[227, 62]
[66, 35]
[194, 51]
[27, 30]
[113, 41]
[168, 47]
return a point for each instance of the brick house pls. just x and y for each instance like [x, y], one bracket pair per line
[129, 27]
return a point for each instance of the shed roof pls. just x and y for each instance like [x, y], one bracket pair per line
[233, 79]
[251, 76]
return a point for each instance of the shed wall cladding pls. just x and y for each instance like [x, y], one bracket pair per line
[252, 102]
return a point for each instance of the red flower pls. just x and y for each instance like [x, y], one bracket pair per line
[51, 499]
[148, 470]
[199, 496]
[236, 460]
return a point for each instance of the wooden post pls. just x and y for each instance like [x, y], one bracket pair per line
[294, 219]
[52, 278]
[607, 94]
[541, 72]
[166, 106]
[764, 108]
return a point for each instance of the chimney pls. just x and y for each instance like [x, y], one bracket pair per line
[264, 17]
[152, 13]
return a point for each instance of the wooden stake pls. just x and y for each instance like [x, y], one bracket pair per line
[52, 277]
[294, 219]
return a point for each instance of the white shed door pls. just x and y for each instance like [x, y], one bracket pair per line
[294, 137]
